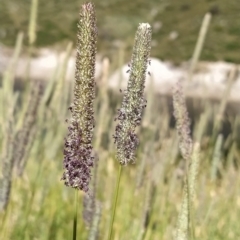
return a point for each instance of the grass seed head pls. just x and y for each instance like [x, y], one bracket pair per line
[78, 154]
[182, 121]
[130, 114]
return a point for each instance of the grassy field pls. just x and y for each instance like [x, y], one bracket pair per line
[118, 19]
[151, 192]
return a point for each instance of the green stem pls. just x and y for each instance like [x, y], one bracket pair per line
[75, 216]
[115, 202]
[190, 211]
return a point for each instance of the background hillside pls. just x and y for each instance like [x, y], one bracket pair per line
[176, 24]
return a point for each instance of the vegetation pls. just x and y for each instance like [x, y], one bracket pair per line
[118, 19]
[184, 185]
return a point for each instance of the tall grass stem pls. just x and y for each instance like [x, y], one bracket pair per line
[75, 216]
[200, 42]
[115, 202]
[33, 22]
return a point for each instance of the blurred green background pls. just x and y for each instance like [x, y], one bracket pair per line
[176, 24]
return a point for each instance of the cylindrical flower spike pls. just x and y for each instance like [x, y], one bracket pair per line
[78, 156]
[130, 114]
[182, 121]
